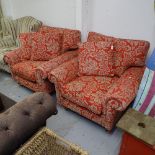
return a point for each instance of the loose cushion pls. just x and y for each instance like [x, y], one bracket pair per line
[129, 53]
[96, 58]
[25, 39]
[45, 46]
[26, 69]
[71, 38]
[93, 36]
[88, 92]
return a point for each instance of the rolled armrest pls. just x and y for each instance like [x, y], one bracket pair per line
[65, 72]
[13, 57]
[124, 90]
[43, 70]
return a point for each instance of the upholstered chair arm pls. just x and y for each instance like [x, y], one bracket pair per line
[124, 90]
[65, 72]
[43, 70]
[13, 57]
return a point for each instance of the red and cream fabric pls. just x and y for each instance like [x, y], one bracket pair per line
[70, 38]
[16, 56]
[88, 91]
[45, 87]
[43, 70]
[119, 99]
[94, 37]
[30, 64]
[96, 58]
[26, 69]
[129, 53]
[100, 99]
[45, 46]
[26, 40]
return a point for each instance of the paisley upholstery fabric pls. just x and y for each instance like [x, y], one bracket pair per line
[26, 40]
[10, 32]
[88, 91]
[45, 46]
[120, 98]
[96, 58]
[93, 36]
[70, 38]
[129, 53]
[98, 98]
[3, 65]
[43, 70]
[31, 73]
[12, 28]
[45, 87]
[16, 56]
[26, 69]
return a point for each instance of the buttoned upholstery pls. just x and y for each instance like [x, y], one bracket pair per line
[21, 121]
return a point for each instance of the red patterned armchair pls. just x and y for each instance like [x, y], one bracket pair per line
[103, 80]
[41, 52]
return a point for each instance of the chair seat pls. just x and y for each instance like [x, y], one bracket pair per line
[88, 91]
[26, 69]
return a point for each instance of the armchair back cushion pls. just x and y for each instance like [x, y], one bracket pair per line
[96, 58]
[93, 36]
[45, 46]
[129, 53]
[25, 40]
[70, 38]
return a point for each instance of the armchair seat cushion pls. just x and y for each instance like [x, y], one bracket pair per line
[26, 69]
[88, 91]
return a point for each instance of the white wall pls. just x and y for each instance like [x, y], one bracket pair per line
[124, 18]
[7, 7]
[121, 18]
[52, 12]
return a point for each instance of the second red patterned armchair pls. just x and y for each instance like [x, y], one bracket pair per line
[40, 52]
[103, 80]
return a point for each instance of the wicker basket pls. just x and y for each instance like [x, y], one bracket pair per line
[46, 142]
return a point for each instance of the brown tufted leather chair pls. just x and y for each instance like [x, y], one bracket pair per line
[21, 121]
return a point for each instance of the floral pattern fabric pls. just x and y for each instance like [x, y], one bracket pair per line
[70, 38]
[96, 58]
[43, 70]
[88, 91]
[16, 56]
[26, 69]
[113, 96]
[129, 53]
[45, 46]
[32, 73]
[45, 87]
[93, 36]
[119, 99]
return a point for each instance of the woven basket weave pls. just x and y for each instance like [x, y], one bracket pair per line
[46, 142]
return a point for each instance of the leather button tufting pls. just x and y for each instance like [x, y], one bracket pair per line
[5, 128]
[26, 113]
[41, 103]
